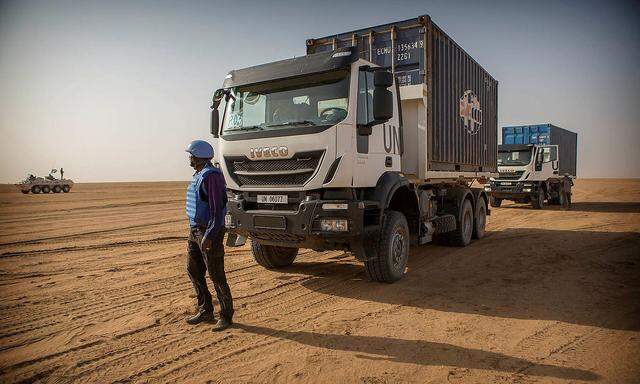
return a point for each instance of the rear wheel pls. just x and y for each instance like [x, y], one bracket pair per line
[57, 189]
[393, 250]
[481, 219]
[46, 189]
[461, 237]
[271, 257]
[495, 202]
[36, 189]
[66, 188]
[538, 201]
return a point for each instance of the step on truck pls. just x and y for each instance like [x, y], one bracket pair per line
[373, 141]
[536, 164]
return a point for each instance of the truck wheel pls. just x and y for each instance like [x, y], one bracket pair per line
[46, 189]
[495, 202]
[393, 250]
[57, 189]
[565, 200]
[461, 237]
[538, 201]
[66, 188]
[481, 219]
[36, 189]
[271, 257]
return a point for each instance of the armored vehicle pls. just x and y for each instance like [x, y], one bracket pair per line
[46, 184]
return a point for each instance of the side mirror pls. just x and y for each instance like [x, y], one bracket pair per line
[382, 79]
[215, 122]
[539, 158]
[382, 97]
[217, 98]
[382, 105]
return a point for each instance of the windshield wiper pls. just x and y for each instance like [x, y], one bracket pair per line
[300, 122]
[248, 128]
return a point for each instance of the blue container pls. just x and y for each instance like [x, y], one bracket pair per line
[546, 134]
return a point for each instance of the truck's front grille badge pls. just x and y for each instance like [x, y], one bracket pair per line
[274, 172]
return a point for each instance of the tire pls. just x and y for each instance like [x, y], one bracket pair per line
[36, 189]
[46, 189]
[461, 237]
[392, 253]
[495, 202]
[565, 200]
[538, 201]
[57, 189]
[66, 188]
[272, 257]
[25, 192]
[480, 220]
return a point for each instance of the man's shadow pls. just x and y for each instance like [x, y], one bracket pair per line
[421, 352]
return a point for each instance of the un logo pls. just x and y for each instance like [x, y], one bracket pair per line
[470, 112]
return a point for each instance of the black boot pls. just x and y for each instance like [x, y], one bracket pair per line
[222, 324]
[200, 317]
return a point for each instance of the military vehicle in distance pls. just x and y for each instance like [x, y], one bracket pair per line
[46, 184]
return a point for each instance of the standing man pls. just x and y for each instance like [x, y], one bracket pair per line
[206, 208]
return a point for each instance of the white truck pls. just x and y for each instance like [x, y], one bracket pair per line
[536, 163]
[369, 144]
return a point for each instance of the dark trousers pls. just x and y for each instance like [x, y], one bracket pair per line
[199, 262]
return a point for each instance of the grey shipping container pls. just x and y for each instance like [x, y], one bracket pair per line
[549, 134]
[459, 98]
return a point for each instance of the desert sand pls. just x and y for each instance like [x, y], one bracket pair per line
[93, 288]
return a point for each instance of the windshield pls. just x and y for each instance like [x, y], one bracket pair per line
[301, 103]
[514, 157]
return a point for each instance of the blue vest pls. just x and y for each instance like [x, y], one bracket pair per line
[197, 199]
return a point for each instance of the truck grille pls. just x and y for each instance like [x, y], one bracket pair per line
[277, 172]
[510, 175]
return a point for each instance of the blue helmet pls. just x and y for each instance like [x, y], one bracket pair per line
[201, 149]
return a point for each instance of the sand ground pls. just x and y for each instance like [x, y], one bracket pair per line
[94, 289]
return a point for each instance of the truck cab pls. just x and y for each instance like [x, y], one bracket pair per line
[326, 151]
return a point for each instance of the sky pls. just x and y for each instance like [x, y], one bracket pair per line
[115, 90]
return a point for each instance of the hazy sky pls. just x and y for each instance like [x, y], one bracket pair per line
[114, 90]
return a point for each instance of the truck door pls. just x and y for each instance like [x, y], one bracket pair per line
[547, 162]
[378, 151]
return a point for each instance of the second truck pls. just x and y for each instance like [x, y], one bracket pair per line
[376, 140]
[536, 164]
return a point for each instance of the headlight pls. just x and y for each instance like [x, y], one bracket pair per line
[334, 225]
[526, 190]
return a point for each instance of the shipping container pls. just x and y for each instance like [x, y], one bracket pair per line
[443, 90]
[547, 134]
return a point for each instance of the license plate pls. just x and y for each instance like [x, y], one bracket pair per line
[273, 199]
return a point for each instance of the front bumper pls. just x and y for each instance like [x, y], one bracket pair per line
[508, 189]
[297, 226]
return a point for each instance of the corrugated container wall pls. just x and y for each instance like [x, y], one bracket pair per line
[548, 134]
[462, 98]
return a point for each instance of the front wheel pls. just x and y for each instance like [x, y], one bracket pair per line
[271, 256]
[390, 261]
[495, 202]
[66, 188]
[538, 201]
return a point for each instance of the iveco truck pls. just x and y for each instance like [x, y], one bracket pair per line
[536, 163]
[375, 140]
